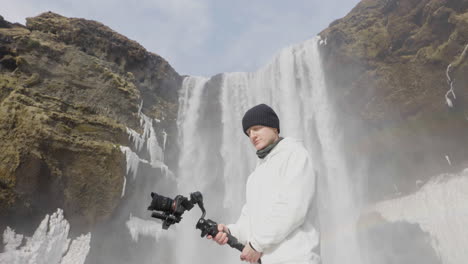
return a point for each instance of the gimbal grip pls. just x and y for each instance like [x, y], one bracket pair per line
[234, 243]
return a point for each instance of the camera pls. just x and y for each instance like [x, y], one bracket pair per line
[172, 209]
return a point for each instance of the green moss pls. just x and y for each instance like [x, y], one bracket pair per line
[85, 128]
[32, 44]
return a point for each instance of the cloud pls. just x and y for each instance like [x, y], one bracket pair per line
[169, 28]
[200, 37]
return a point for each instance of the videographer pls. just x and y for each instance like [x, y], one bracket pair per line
[276, 223]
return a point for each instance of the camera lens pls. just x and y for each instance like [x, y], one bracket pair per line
[161, 203]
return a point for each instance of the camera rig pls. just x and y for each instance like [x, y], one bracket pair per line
[173, 209]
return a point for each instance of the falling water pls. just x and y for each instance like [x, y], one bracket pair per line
[216, 157]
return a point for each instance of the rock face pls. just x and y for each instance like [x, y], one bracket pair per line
[68, 89]
[387, 64]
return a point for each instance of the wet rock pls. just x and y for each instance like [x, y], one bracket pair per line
[68, 89]
[386, 64]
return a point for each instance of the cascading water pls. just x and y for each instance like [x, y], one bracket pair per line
[216, 157]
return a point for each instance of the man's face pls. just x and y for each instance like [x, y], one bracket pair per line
[262, 136]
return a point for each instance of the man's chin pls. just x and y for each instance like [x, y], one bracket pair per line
[259, 147]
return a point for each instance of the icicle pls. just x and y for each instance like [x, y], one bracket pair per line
[132, 161]
[123, 187]
[164, 139]
[148, 139]
[154, 150]
[137, 139]
[449, 102]
[450, 91]
[448, 160]
[450, 81]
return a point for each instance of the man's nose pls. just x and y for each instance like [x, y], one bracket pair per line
[253, 135]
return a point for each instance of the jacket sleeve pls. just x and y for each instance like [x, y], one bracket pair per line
[289, 207]
[240, 228]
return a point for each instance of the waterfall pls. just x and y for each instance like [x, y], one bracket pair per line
[216, 156]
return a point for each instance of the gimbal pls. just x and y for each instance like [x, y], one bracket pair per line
[173, 209]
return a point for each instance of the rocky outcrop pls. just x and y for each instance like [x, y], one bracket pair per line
[387, 63]
[68, 89]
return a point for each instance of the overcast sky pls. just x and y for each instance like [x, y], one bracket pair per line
[200, 37]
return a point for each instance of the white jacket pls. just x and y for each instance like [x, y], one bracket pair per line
[277, 217]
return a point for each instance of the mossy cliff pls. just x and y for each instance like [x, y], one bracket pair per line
[68, 89]
[386, 64]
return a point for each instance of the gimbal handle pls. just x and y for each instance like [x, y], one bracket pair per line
[234, 243]
[210, 227]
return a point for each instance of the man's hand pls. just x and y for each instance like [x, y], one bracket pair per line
[250, 255]
[221, 237]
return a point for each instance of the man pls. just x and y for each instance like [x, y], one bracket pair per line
[276, 222]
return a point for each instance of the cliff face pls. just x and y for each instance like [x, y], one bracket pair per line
[68, 89]
[387, 63]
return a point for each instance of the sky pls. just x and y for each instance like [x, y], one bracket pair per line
[200, 37]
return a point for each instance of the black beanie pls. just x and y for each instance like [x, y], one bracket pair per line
[261, 114]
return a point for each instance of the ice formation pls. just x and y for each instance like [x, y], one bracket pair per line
[440, 208]
[448, 160]
[123, 187]
[48, 245]
[140, 227]
[132, 161]
[450, 81]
